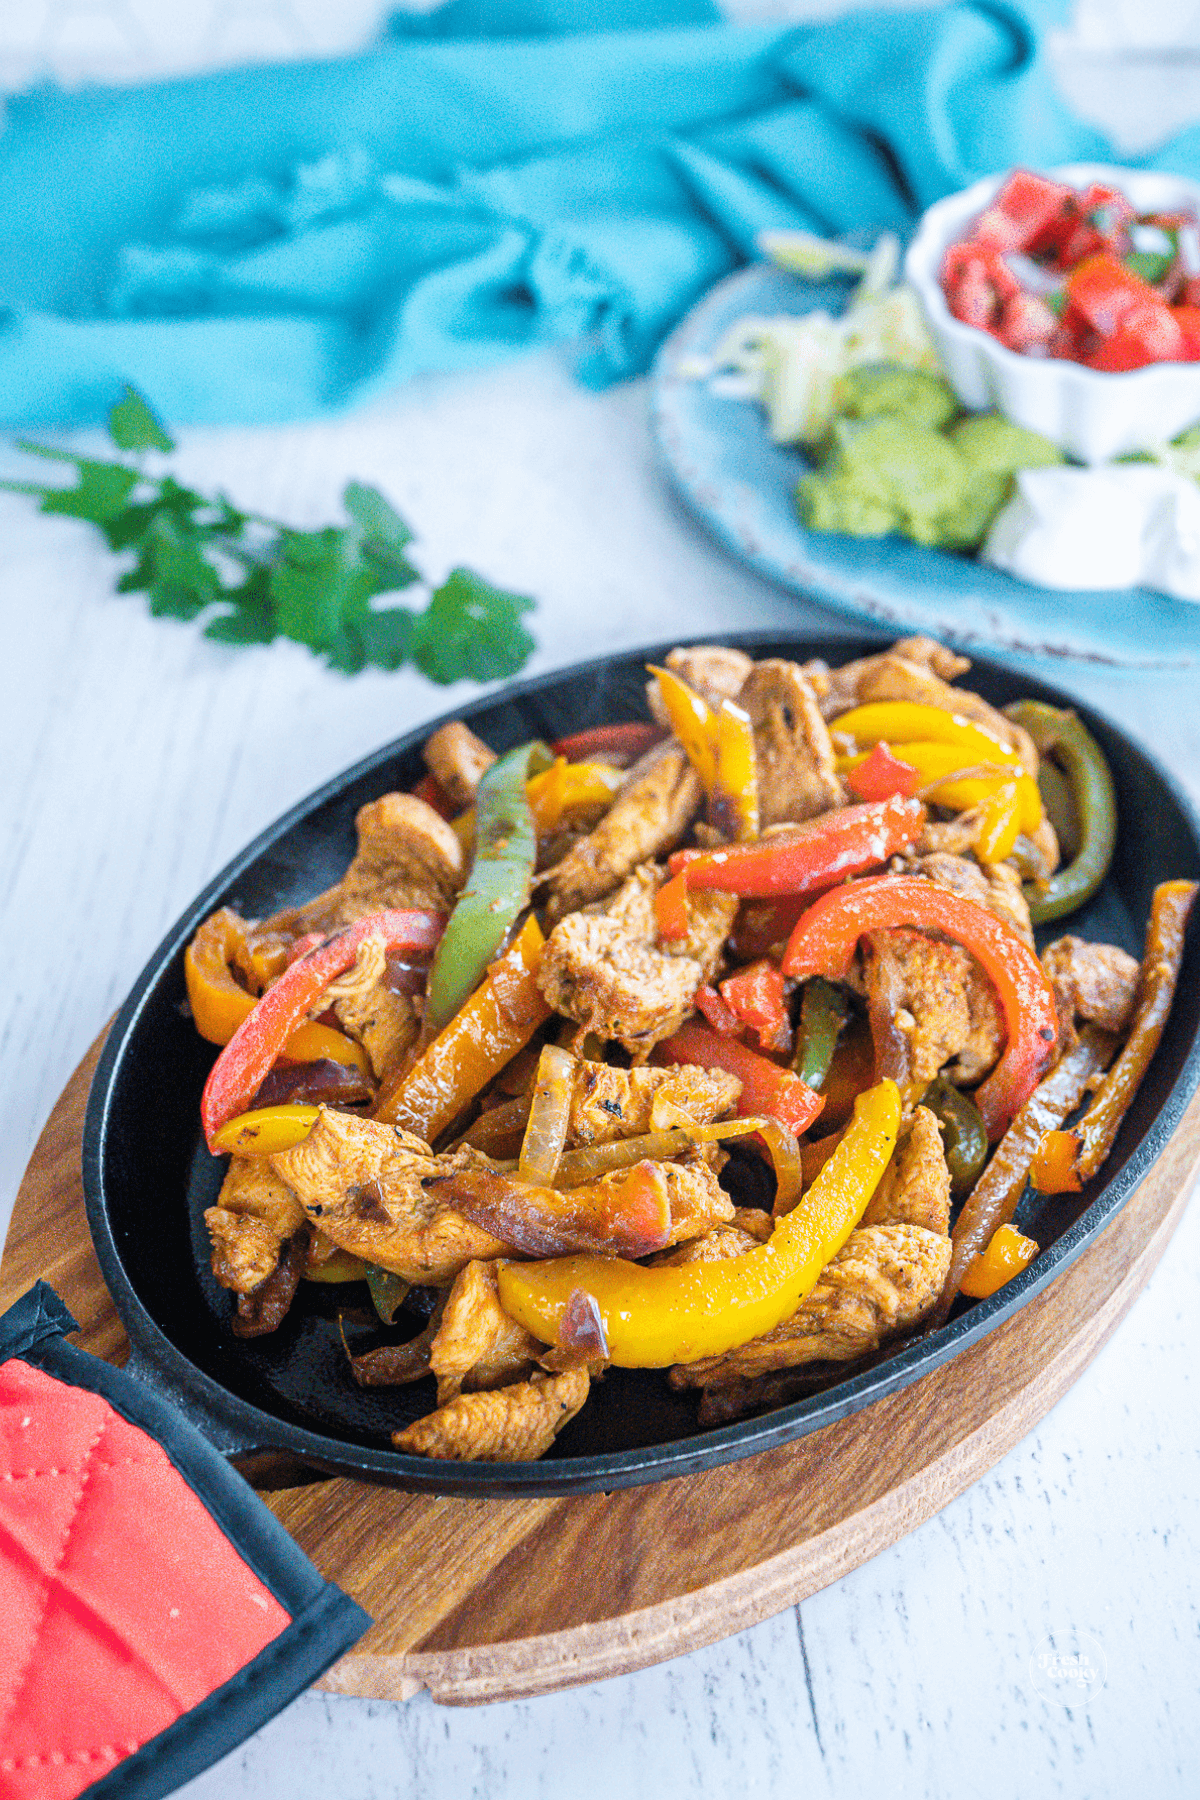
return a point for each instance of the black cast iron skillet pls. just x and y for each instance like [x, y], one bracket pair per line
[283, 1407]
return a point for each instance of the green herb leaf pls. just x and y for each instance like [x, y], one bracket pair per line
[471, 629]
[250, 614]
[1149, 265]
[132, 425]
[261, 580]
[99, 496]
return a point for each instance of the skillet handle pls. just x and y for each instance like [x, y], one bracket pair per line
[263, 1464]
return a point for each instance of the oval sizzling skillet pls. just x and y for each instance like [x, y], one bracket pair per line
[284, 1407]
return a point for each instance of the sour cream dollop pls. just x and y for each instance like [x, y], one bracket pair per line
[1126, 525]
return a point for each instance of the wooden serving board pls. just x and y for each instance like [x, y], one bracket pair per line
[483, 1600]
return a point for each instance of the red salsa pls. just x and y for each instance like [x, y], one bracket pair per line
[1076, 273]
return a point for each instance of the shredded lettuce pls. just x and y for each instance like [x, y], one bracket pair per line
[791, 364]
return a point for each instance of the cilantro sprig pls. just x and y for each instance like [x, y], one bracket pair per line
[255, 579]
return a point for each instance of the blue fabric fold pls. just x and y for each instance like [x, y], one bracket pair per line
[277, 243]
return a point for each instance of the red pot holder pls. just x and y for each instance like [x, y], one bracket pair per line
[154, 1612]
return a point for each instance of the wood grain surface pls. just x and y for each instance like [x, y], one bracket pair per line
[484, 1600]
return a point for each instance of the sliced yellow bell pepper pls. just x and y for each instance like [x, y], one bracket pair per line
[265, 1131]
[692, 722]
[566, 787]
[554, 795]
[733, 802]
[933, 760]
[719, 742]
[999, 824]
[908, 722]
[485, 1033]
[655, 1317]
[339, 1267]
[321, 1043]
[218, 1002]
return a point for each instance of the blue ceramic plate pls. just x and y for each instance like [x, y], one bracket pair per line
[720, 455]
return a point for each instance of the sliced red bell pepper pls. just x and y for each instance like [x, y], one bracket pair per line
[252, 1051]
[620, 744]
[767, 1090]
[430, 790]
[824, 940]
[721, 1017]
[756, 995]
[883, 775]
[809, 858]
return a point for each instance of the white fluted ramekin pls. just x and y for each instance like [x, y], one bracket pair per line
[1089, 413]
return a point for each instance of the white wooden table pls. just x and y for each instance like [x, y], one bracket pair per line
[137, 758]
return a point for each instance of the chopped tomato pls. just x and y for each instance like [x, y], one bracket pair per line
[1002, 277]
[1188, 320]
[1024, 209]
[1124, 350]
[1105, 293]
[1026, 323]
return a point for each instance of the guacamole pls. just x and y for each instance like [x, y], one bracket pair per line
[890, 464]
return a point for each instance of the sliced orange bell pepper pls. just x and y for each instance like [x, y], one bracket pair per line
[671, 910]
[654, 1317]
[263, 1036]
[218, 1002]
[1007, 1254]
[219, 1005]
[485, 1033]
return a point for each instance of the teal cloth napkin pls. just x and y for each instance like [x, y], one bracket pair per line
[276, 243]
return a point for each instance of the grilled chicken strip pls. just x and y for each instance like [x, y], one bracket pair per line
[476, 1344]
[608, 972]
[508, 1424]
[1093, 983]
[930, 1005]
[457, 760]
[792, 748]
[608, 1103]
[372, 1188]
[649, 816]
[256, 1213]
